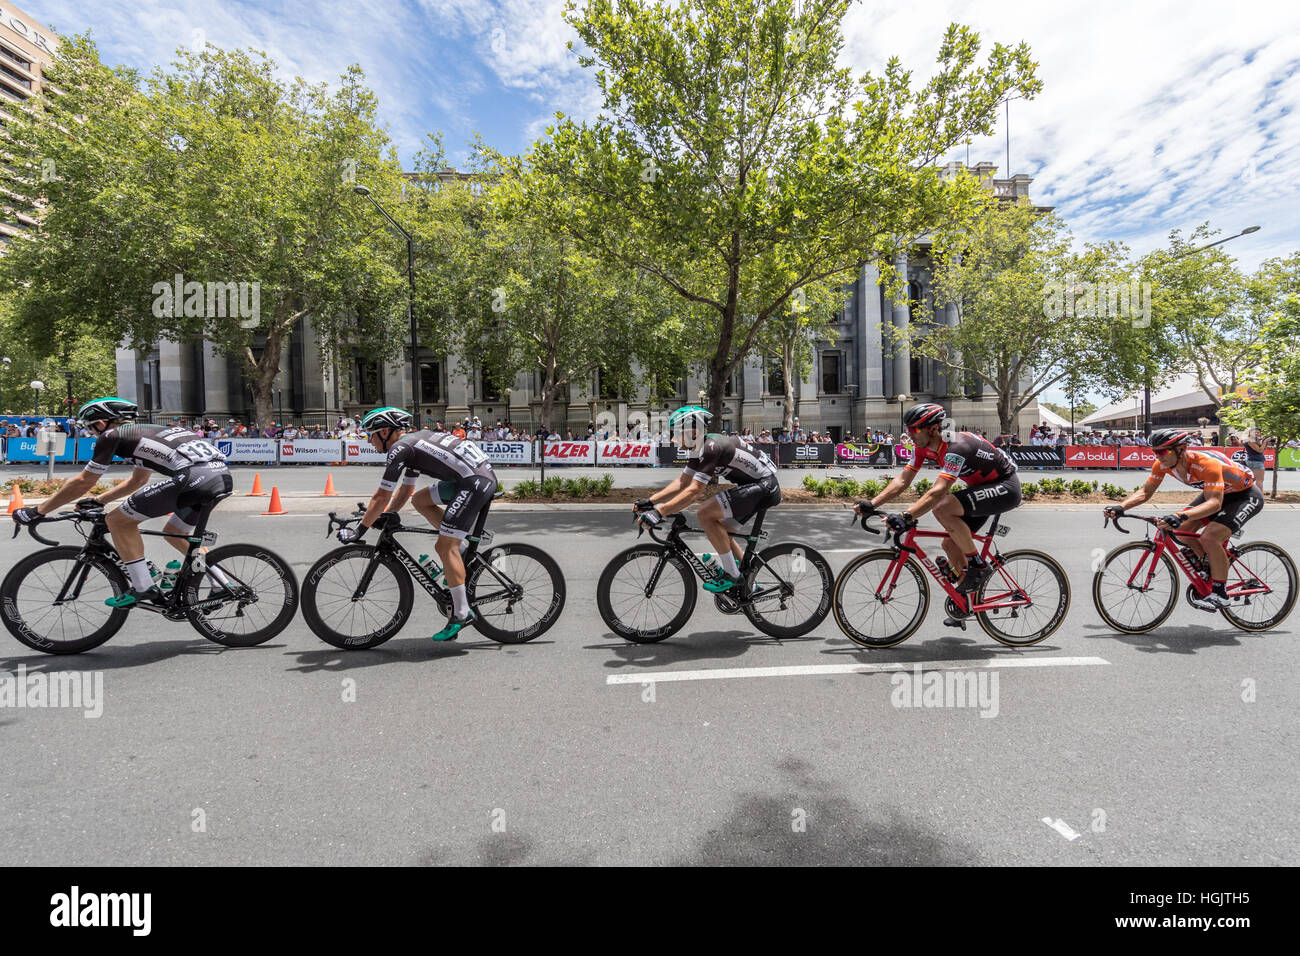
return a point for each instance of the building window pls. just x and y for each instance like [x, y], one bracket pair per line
[9, 54]
[775, 376]
[365, 381]
[919, 378]
[491, 388]
[832, 372]
[430, 382]
[607, 386]
[730, 390]
[16, 77]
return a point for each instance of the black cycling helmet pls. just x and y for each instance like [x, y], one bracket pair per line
[923, 415]
[1163, 438]
[108, 410]
[387, 417]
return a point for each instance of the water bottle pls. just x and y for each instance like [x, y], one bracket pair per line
[430, 566]
[946, 569]
[712, 566]
[153, 569]
[170, 575]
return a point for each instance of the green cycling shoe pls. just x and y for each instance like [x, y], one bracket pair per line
[723, 582]
[128, 598]
[454, 626]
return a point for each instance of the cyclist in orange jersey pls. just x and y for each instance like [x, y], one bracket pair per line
[1229, 498]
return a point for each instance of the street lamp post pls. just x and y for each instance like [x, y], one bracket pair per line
[851, 389]
[1146, 385]
[67, 375]
[36, 391]
[410, 299]
[902, 426]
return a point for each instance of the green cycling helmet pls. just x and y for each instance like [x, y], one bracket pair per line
[387, 417]
[108, 410]
[689, 413]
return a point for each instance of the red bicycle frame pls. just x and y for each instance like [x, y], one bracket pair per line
[906, 544]
[1245, 584]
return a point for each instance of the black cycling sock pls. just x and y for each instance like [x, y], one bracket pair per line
[1221, 588]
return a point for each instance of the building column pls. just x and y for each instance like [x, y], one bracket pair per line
[174, 370]
[216, 385]
[901, 349]
[128, 374]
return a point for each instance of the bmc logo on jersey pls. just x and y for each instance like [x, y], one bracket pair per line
[620, 450]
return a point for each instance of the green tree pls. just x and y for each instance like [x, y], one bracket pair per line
[219, 172]
[789, 338]
[1273, 377]
[80, 351]
[736, 162]
[1032, 311]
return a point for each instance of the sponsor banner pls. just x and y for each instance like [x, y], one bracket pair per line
[1034, 455]
[902, 454]
[24, 449]
[805, 453]
[570, 452]
[1238, 454]
[507, 452]
[356, 450]
[1090, 456]
[1290, 458]
[624, 453]
[246, 449]
[670, 455]
[310, 450]
[1136, 456]
[866, 453]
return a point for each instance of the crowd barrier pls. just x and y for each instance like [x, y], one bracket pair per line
[325, 451]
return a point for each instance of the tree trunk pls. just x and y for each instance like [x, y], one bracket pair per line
[1005, 414]
[261, 375]
[787, 376]
[718, 375]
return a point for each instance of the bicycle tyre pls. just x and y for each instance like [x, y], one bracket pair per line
[823, 607]
[1288, 604]
[1162, 613]
[208, 624]
[846, 576]
[311, 598]
[485, 624]
[639, 553]
[1057, 615]
[18, 625]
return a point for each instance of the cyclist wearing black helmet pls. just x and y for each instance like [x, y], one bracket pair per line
[1229, 498]
[992, 487]
[446, 458]
[196, 473]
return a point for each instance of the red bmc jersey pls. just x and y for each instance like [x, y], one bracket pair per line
[968, 457]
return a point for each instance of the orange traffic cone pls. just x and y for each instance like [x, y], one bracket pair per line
[276, 508]
[257, 491]
[329, 491]
[16, 499]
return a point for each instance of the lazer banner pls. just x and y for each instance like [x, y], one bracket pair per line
[570, 452]
[624, 453]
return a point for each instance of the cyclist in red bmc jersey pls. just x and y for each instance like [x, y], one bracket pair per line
[992, 487]
[1229, 498]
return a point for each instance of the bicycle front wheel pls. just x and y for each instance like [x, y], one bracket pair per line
[255, 590]
[1034, 597]
[791, 589]
[1135, 591]
[880, 599]
[646, 594]
[1262, 584]
[35, 614]
[339, 615]
[517, 591]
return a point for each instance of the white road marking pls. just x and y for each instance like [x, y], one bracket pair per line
[820, 670]
[1061, 827]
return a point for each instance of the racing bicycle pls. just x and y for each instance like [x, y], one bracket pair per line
[881, 597]
[237, 595]
[360, 595]
[1136, 587]
[647, 593]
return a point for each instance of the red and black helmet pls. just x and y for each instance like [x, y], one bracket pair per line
[1163, 438]
[924, 415]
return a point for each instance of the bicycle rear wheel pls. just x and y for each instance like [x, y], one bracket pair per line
[82, 620]
[1037, 594]
[258, 598]
[1260, 563]
[1134, 592]
[632, 613]
[517, 592]
[876, 605]
[335, 613]
[791, 586]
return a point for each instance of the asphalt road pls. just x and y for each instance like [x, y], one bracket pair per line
[475, 752]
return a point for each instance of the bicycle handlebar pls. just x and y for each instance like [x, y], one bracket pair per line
[337, 522]
[65, 516]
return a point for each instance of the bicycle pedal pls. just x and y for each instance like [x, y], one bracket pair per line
[954, 622]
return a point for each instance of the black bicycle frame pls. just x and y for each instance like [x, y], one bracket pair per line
[677, 546]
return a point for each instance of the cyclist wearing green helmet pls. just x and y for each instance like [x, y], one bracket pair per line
[711, 457]
[445, 457]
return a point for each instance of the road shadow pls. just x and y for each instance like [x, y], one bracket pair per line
[949, 647]
[687, 648]
[1187, 639]
[110, 657]
[411, 650]
[811, 823]
[505, 849]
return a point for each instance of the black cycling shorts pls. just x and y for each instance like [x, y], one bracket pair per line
[472, 495]
[1238, 507]
[980, 502]
[743, 502]
[188, 494]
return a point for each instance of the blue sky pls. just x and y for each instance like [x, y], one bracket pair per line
[1154, 115]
